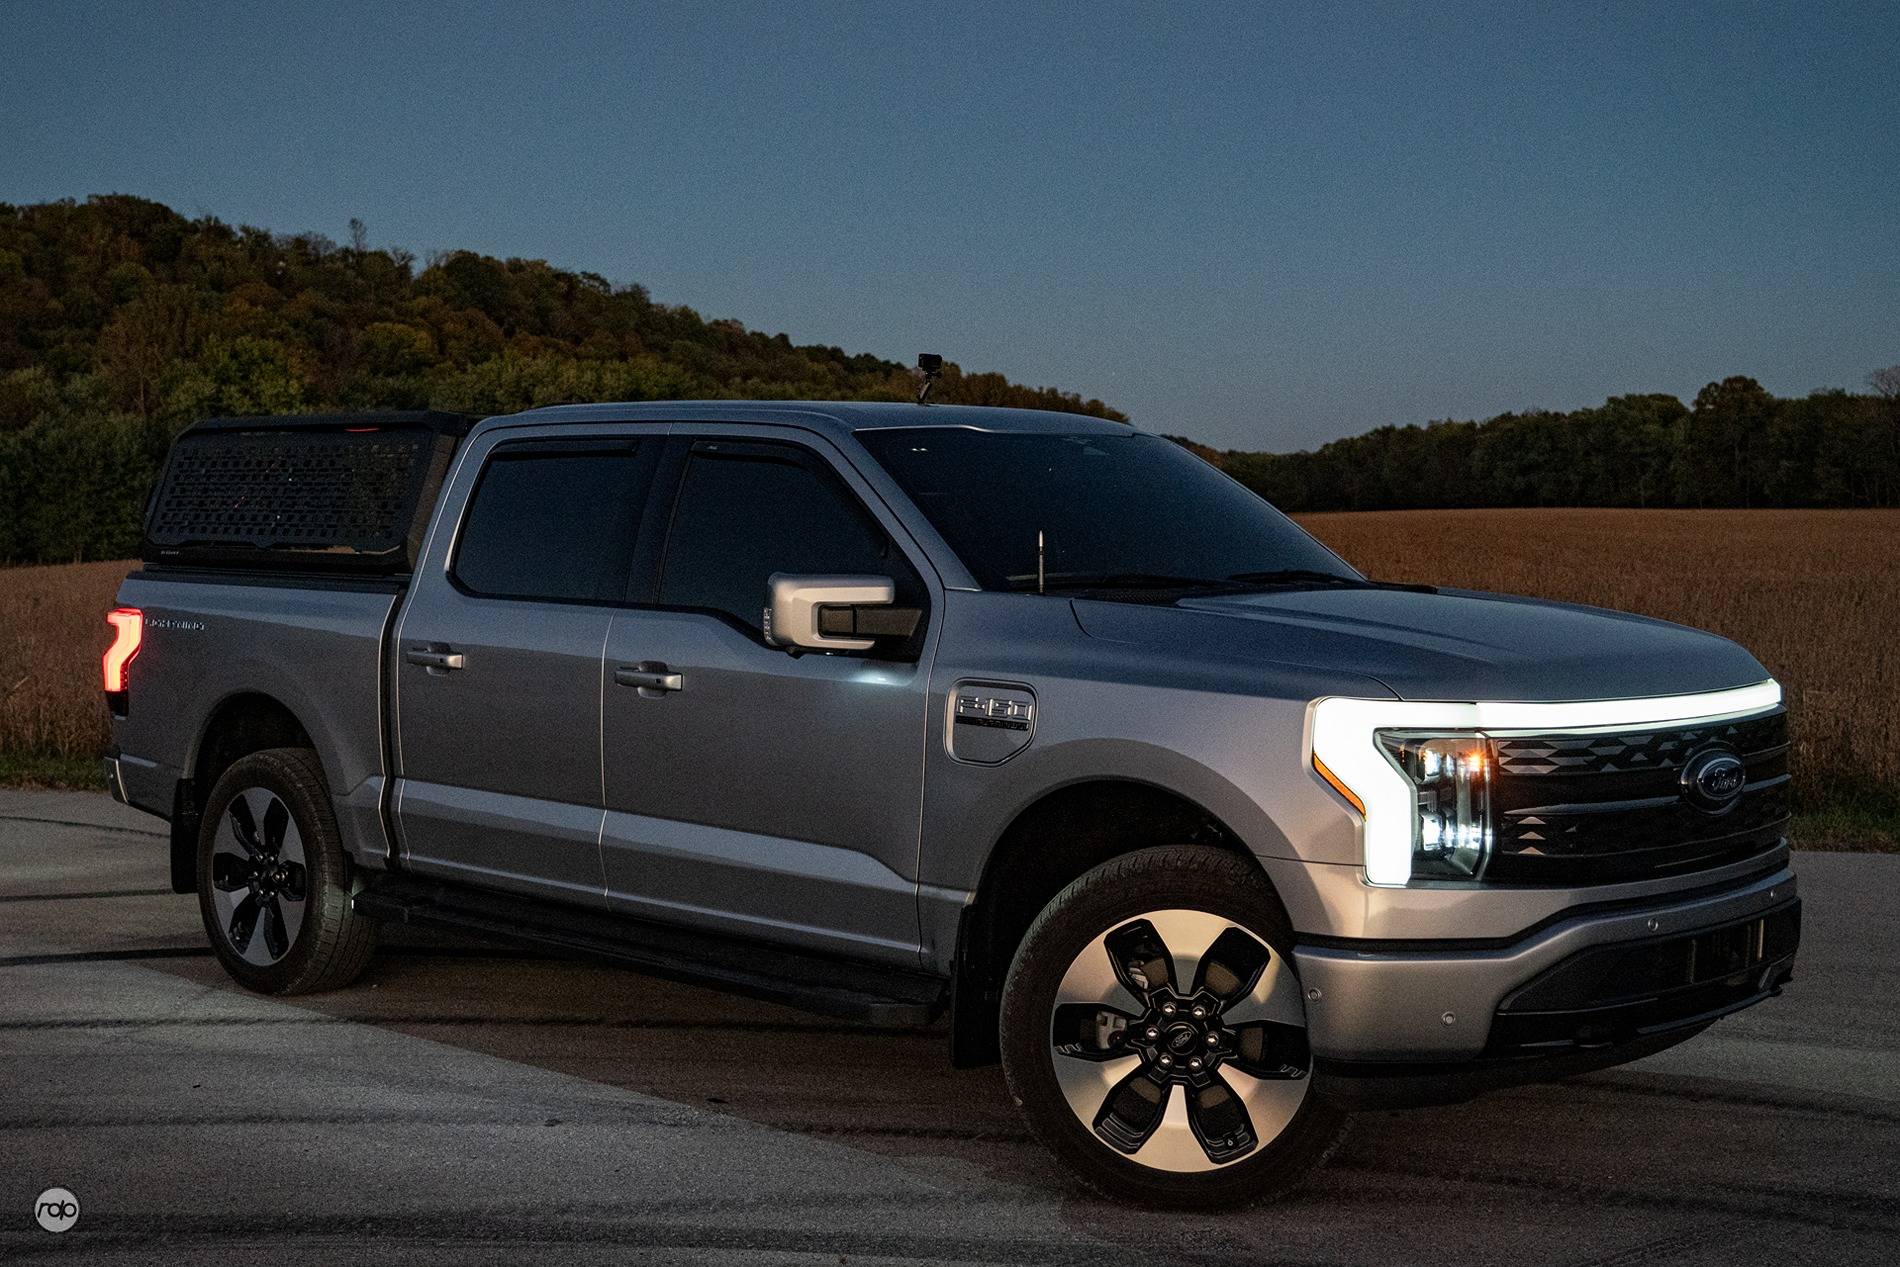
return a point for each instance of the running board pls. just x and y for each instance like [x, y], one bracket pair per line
[810, 982]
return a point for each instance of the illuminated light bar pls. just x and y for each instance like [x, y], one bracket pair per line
[129, 626]
[1346, 751]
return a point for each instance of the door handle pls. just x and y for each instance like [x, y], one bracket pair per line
[652, 677]
[441, 661]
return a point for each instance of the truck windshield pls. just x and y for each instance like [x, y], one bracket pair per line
[1120, 512]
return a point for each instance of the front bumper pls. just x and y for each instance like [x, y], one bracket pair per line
[1590, 983]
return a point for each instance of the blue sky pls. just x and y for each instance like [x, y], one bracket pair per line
[1262, 226]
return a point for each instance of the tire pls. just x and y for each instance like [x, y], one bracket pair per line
[1097, 1045]
[274, 884]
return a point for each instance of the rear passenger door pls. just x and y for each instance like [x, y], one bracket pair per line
[759, 792]
[498, 666]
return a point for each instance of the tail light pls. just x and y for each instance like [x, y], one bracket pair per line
[128, 625]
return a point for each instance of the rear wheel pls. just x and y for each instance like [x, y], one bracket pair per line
[1154, 1033]
[274, 884]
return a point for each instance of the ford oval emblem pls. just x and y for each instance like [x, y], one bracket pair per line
[1713, 780]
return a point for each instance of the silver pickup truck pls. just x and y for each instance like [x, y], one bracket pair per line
[899, 712]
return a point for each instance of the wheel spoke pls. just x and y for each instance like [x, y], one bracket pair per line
[276, 941]
[1268, 1049]
[276, 818]
[229, 872]
[1220, 1121]
[1232, 966]
[259, 950]
[296, 880]
[1270, 1102]
[1140, 958]
[1086, 1083]
[1090, 1031]
[244, 825]
[1274, 997]
[1186, 936]
[243, 923]
[1092, 979]
[1132, 1111]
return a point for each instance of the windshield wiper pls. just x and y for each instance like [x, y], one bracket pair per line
[1238, 582]
[1123, 581]
[1296, 576]
[1307, 576]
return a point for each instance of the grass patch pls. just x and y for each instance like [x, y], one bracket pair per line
[1848, 827]
[49, 771]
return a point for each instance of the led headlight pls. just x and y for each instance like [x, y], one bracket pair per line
[1451, 828]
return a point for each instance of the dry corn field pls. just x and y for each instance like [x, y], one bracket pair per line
[1814, 594]
[52, 633]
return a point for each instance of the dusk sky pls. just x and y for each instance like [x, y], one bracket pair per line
[1263, 227]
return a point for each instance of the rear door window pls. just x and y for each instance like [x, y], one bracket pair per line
[556, 523]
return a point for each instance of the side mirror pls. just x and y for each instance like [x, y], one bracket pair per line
[834, 613]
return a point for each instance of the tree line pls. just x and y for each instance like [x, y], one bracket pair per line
[121, 322]
[1736, 445]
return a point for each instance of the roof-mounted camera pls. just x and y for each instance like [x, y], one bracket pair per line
[932, 365]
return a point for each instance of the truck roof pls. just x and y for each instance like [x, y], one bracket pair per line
[354, 491]
[841, 417]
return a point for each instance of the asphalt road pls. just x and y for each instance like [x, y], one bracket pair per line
[466, 1104]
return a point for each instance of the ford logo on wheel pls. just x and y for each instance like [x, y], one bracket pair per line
[1713, 780]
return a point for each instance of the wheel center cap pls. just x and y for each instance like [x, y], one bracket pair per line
[1183, 1039]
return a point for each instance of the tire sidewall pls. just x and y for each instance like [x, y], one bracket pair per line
[1172, 877]
[323, 857]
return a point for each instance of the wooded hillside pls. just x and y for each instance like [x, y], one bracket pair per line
[122, 321]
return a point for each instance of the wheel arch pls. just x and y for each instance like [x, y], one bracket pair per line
[239, 724]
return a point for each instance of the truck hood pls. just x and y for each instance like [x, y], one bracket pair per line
[1443, 645]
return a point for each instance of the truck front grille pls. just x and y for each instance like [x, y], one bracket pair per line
[1595, 809]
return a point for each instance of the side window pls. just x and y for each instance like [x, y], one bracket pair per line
[745, 512]
[551, 522]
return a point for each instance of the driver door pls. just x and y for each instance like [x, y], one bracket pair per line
[748, 789]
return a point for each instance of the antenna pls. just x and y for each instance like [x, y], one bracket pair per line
[932, 365]
[1039, 574]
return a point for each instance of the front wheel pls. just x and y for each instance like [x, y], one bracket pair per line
[1154, 1033]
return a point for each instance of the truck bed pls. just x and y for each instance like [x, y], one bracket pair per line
[212, 639]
